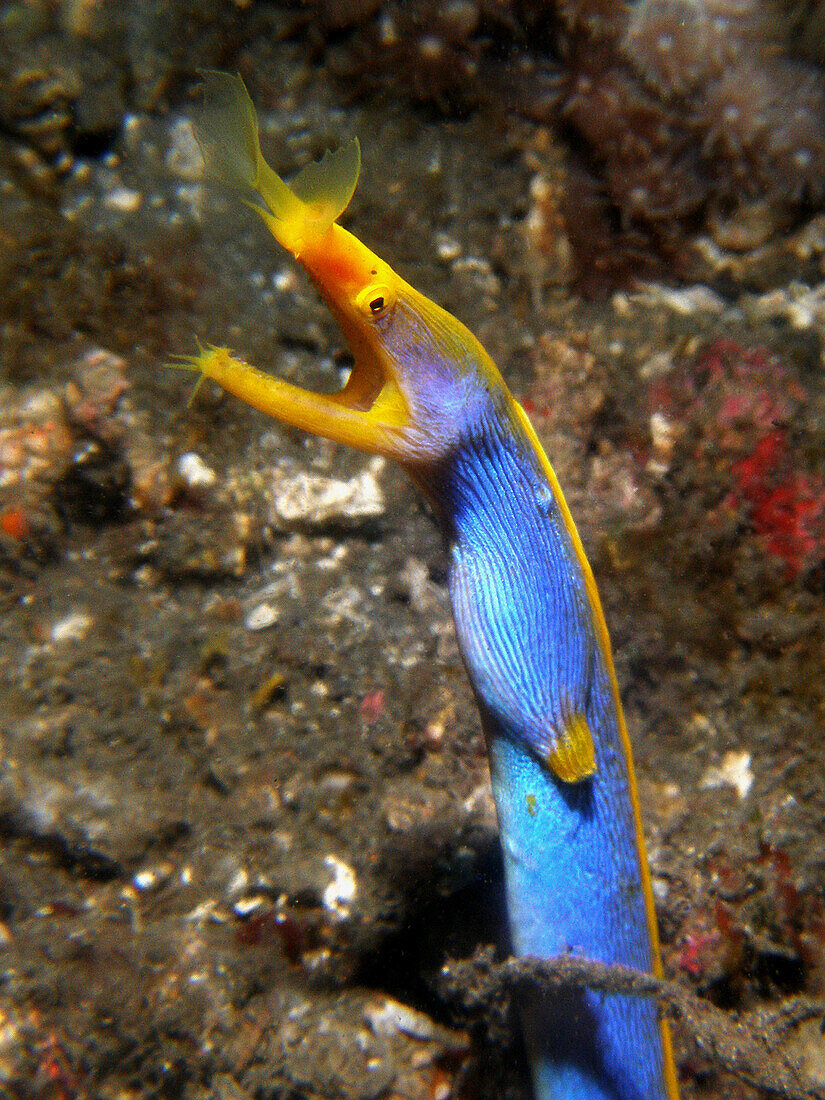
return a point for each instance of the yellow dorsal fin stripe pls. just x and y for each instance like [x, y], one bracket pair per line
[573, 757]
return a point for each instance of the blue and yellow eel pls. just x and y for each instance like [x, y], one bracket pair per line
[530, 627]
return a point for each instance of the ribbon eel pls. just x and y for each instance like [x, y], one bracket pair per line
[530, 626]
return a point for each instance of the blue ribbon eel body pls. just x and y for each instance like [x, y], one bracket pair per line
[529, 623]
[535, 645]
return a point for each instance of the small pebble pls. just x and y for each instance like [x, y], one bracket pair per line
[151, 877]
[447, 248]
[183, 158]
[194, 473]
[734, 770]
[73, 628]
[340, 893]
[244, 907]
[262, 616]
[124, 199]
[389, 1017]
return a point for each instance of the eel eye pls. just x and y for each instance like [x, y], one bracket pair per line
[376, 301]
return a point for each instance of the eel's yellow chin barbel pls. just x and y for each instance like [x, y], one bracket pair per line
[371, 411]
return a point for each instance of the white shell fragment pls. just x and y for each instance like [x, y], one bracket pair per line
[183, 158]
[73, 628]
[340, 893]
[313, 499]
[734, 770]
[123, 199]
[800, 305]
[389, 1017]
[262, 616]
[683, 302]
[194, 473]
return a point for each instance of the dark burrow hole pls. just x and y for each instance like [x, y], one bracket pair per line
[94, 144]
[95, 488]
[446, 925]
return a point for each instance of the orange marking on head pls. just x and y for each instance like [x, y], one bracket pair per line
[338, 261]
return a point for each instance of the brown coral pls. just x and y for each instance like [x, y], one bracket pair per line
[676, 112]
[765, 124]
[674, 45]
[698, 110]
[803, 23]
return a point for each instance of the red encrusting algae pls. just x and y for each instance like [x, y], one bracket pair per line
[786, 508]
[741, 404]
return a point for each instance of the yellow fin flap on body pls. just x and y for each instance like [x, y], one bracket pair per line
[573, 756]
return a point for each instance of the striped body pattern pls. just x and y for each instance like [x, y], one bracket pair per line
[575, 879]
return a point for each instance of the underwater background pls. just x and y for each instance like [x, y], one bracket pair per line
[244, 800]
